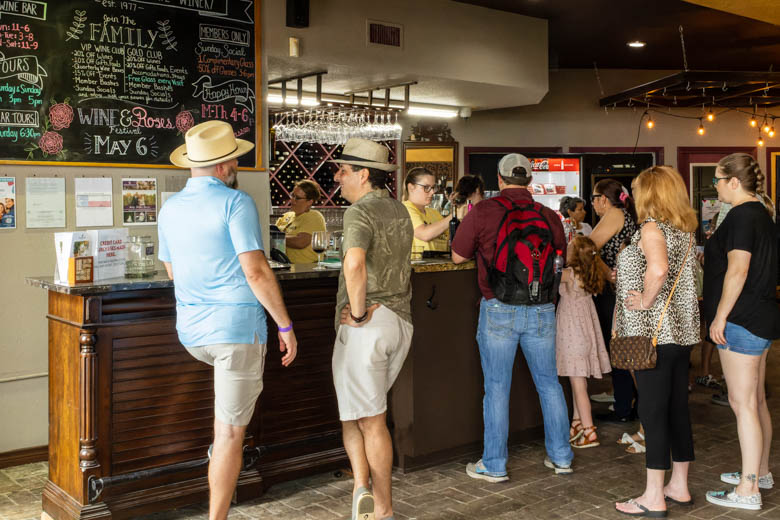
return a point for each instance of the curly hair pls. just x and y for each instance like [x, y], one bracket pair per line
[584, 263]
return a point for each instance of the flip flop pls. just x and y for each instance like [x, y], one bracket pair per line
[679, 502]
[645, 512]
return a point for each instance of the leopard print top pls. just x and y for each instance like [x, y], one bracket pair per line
[681, 321]
[610, 250]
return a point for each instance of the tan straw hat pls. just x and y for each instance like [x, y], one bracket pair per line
[362, 152]
[208, 144]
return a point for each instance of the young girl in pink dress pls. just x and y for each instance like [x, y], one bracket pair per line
[579, 345]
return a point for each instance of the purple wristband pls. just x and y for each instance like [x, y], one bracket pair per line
[288, 328]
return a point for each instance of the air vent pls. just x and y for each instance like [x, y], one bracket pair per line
[384, 33]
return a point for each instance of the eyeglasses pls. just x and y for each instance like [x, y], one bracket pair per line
[427, 188]
[295, 197]
[716, 180]
[595, 196]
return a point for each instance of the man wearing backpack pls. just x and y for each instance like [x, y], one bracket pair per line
[515, 241]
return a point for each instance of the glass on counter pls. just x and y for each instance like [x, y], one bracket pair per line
[140, 257]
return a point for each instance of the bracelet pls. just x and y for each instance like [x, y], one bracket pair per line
[288, 328]
[361, 319]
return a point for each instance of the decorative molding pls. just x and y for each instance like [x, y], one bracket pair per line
[87, 390]
[13, 458]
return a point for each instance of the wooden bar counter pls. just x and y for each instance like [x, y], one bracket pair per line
[131, 413]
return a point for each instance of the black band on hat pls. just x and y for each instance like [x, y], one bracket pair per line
[213, 158]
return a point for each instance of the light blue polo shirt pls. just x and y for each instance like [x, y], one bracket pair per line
[202, 230]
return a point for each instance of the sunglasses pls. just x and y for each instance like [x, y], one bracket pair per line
[427, 188]
[716, 180]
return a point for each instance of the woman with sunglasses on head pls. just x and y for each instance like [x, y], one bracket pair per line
[431, 230]
[740, 275]
[299, 224]
[614, 206]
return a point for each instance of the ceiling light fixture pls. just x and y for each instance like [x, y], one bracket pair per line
[765, 127]
[293, 101]
[636, 44]
[431, 112]
[753, 122]
[760, 140]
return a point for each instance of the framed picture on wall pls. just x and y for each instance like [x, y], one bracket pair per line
[441, 159]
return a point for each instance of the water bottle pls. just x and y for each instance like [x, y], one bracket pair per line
[558, 262]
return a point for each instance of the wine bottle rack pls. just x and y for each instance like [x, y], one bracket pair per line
[292, 162]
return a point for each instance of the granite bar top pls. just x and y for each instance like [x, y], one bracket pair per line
[161, 281]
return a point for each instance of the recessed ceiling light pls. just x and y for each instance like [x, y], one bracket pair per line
[636, 44]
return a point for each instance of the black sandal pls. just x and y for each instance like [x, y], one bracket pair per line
[644, 511]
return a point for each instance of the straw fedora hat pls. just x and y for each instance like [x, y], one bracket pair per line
[362, 152]
[208, 144]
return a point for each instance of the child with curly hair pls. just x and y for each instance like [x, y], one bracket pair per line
[579, 347]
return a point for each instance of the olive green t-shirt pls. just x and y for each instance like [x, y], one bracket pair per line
[381, 226]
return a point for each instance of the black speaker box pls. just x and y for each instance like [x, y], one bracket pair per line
[298, 13]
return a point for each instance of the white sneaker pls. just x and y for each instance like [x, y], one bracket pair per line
[764, 482]
[478, 470]
[731, 499]
[603, 397]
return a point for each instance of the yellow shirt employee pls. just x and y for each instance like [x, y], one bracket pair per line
[431, 230]
[299, 224]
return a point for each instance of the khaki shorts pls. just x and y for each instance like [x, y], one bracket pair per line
[366, 362]
[238, 378]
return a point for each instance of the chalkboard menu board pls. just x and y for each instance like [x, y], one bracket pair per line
[120, 81]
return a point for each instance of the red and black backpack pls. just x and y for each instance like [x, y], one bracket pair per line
[522, 269]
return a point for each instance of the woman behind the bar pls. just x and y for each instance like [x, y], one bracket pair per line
[431, 230]
[299, 224]
[659, 256]
[469, 190]
[740, 275]
[615, 208]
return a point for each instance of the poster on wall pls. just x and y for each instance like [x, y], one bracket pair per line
[709, 211]
[139, 202]
[7, 202]
[94, 201]
[45, 202]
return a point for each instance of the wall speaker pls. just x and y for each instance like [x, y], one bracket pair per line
[298, 13]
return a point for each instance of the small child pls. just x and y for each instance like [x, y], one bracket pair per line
[579, 347]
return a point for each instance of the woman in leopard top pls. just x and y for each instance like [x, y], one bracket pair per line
[658, 256]
[617, 222]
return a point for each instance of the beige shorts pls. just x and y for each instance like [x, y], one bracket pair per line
[366, 362]
[238, 378]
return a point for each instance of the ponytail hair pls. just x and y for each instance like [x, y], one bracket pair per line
[617, 194]
[746, 169]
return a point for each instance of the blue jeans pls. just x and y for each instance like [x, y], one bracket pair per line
[501, 328]
[742, 341]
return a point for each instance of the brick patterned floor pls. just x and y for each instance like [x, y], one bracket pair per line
[602, 476]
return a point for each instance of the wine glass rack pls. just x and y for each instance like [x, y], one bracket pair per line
[291, 162]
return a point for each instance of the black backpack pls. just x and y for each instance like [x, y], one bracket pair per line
[522, 270]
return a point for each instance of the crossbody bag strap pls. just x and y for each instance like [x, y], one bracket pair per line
[669, 299]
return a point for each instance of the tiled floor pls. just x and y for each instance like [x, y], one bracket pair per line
[602, 475]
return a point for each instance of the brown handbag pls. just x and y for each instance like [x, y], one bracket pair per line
[638, 352]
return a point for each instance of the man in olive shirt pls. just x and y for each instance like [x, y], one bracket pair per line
[373, 319]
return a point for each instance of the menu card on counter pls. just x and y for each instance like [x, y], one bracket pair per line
[120, 81]
[107, 247]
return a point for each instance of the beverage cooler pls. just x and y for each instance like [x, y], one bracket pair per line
[555, 177]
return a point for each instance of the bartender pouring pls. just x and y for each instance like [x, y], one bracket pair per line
[430, 228]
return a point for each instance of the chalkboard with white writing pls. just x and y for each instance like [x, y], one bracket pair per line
[121, 81]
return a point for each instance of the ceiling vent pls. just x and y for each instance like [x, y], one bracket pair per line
[385, 34]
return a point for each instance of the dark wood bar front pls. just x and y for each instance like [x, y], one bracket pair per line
[131, 413]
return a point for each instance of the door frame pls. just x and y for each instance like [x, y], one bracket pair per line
[772, 153]
[684, 154]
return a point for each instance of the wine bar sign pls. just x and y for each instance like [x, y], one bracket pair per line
[120, 81]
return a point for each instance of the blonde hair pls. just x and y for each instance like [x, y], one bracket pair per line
[659, 193]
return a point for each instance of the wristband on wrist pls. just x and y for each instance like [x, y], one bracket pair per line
[360, 319]
[288, 328]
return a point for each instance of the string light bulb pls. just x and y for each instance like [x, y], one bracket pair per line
[650, 123]
[753, 121]
[710, 115]
[701, 128]
[760, 140]
[771, 132]
[766, 127]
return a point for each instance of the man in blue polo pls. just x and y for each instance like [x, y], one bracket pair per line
[211, 245]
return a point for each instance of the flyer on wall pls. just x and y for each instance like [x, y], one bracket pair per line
[139, 202]
[7, 202]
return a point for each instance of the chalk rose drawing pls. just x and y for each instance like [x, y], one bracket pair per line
[184, 121]
[50, 143]
[60, 114]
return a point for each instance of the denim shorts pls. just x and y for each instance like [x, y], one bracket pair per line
[742, 341]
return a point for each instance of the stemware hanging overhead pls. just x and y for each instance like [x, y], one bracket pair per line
[336, 125]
